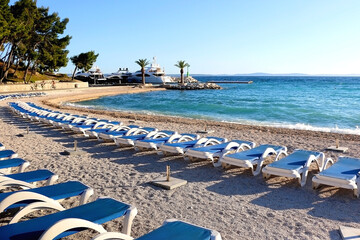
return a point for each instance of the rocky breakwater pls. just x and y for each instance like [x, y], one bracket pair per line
[191, 84]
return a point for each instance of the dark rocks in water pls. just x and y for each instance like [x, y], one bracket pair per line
[193, 86]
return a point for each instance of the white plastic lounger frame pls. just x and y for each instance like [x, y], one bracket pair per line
[192, 154]
[141, 146]
[121, 142]
[107, 136]
[300, 174]
[341, 183]
[164, 149]
[40, 202]
[14, 155]
[22, 168]
[71, 223]
[6, 182]
[101, 125]
[215, 235]
[225, 160]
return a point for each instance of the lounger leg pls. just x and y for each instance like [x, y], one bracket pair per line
[23, 166]
[266, 176]
[303, 177]
[129, 217]
[52, 180]
[356, 193]
[216, 164]
[86, 195]
[315, 185]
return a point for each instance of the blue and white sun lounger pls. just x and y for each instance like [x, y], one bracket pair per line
[217, 151]
[252, 157]
[118, 132]
[343, 174]
[27, 179]
[70, 221]
[160, 138]
[139, 134]
[48, 194]
[171, 229]
[7, 165]
[101, 127]
[180, 147]
[296, 165]
[6, 154]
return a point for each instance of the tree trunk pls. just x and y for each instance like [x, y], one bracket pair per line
[143, 76]
[26, 70]
[182, 76]
[32, 71]
[72, 78]
[8, 65]
[17, 65]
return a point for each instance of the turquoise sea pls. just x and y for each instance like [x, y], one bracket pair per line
[313, 103]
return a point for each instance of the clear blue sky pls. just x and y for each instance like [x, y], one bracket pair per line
[217, 37]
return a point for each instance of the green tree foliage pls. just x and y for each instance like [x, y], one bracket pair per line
[142, 63]
[84, 61]
[34, 37]
[182, 64]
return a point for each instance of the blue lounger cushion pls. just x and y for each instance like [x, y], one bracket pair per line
[56, 192]
[177, 231]
[13, 162]
[294, 161]
[186, 144]
[33, 176]
[254, 153]
[99, 211]
[6, 153]
[219, 147]
[345, 168]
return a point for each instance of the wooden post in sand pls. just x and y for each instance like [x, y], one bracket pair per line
[168, 173]
[27, 130]
[75, 145]
[337, 143]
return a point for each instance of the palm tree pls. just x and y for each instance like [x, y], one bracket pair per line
[182, 65]
[142, 63]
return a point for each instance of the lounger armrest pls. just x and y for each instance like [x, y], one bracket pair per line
[185, 138]
[151, 134]
[135, 131]
[68, 224]
[211, 141]
[281, 152]
[174, 138]
[201, 142]
[327, 161]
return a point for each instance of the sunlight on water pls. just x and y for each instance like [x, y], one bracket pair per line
[328, 104]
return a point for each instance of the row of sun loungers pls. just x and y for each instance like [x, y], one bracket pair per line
[29, 198]
[21, 95]
[219, 151]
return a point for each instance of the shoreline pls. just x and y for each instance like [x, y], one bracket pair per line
[58, 103]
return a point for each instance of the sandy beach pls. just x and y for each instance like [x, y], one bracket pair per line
[233, 202]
